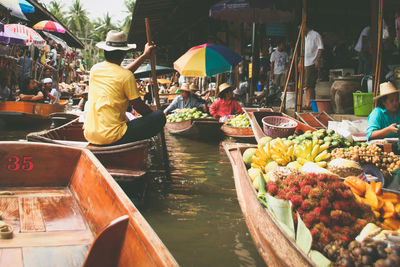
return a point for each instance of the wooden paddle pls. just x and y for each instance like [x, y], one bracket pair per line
[155, 92]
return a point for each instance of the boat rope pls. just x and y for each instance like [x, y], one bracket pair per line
[6, 230]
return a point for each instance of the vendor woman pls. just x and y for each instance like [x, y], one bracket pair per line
[225, 105]
[383, 120]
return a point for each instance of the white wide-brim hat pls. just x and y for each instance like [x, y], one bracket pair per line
[386, 89]
[116, 41]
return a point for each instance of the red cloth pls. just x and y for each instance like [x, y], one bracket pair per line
[222, 107]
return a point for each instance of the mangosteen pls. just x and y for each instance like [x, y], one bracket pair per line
[346, 262]
[357, 251]
[371, 251]
[382, 252]
[367, 260]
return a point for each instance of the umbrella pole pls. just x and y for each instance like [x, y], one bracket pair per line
[155, 92]
[290, 70]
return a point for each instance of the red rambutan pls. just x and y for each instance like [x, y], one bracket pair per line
[305, 190]
[345, 238]
[296, 200]
[272, 188]
[309, 218]
[325, 204]
[324, 219]
[315, 193]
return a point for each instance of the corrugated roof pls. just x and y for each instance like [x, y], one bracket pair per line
[168, 18]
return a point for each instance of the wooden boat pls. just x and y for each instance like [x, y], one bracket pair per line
[196, 128]
[66, 210]
[242, 134]
[22, 113]
[124, 162]
[60, 118]
[271, 240]
[317, 120]
[256, 116]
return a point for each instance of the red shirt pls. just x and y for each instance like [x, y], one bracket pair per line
[222, 107]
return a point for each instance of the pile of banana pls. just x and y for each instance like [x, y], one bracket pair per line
[312, 151]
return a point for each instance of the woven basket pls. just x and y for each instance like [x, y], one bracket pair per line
[272, 128]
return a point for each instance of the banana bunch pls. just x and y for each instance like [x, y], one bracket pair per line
[281, 151]
[260, 158]
[312, 151]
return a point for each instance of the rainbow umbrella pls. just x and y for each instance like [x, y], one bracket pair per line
[207, 60]
[49, 26]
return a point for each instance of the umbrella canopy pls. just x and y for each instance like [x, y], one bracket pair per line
[258, 11]
[9, 37]
[57, 39]
[145, 71]
[31, 36]
[15, 8]
[50, 26]
[1, 27]
[207, 60]
[26, 7]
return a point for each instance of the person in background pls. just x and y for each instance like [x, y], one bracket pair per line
[279, 61]
[362, 48]
[5, 92]
[225, 106]
[313, 52]
[174, 88]
[185, 100]
[52, 93]
[397, 27]
[29, 91]
[26, 64]
[112, 89]
[241, 93]
[384, 120]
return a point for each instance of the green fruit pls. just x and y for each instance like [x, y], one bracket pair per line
[248, 154]
[327, 139]
[335, 143]
[330, 132]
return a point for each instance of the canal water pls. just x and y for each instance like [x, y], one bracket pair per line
[194, 210]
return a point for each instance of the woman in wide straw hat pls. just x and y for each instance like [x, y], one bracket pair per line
[384, 119]
[111, 90]
[225, 105]
[186, 100]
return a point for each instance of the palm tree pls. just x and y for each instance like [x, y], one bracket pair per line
[78, 19]
[126, 24]
[101, 27]
[56, 9]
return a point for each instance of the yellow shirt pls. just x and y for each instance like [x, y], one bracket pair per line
[110, 89]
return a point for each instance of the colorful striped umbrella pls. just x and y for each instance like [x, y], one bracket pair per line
[9, 37]
[207, 60]
[49, 26]
[31, 36]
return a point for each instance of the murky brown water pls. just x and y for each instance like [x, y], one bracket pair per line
[194, 211]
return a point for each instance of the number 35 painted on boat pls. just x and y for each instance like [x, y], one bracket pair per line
[16, 164]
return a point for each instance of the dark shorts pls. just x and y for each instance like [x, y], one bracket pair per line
[310, 76]
[279, 80]
[143, 128]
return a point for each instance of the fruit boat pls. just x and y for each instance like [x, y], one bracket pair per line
[22, 113]
[257, 114]
[243, 134]
[124, 162]
[196, 128]
[317, 120]
[274, 245]
[69, 212]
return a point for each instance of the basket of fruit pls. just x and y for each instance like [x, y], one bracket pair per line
[278, 126]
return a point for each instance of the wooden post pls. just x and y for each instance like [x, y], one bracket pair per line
[299, 95]
[290, 69]
[378, 62]
[155, 91]
[217, 85]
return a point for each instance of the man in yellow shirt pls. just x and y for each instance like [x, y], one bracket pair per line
[111, 89]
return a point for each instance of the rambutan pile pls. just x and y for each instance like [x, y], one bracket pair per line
[327, 206]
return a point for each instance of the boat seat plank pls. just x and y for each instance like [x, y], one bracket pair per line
[54, 256]
[61, 213]
[126, 173]
[30, 215]
[106, 248]
[36, 192]
[10, 212]
[73, 143]
[11, 257]
[48, 239]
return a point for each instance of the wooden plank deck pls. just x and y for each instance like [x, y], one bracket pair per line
[49, 229]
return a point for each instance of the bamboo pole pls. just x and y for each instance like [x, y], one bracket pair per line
[290, 68]
[379, 50]
[155, 91]
[299, 95]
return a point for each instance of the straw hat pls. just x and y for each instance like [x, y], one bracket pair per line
[224, 87]
[193, 87]
[386, 89]
[116, 41]
[184, 87]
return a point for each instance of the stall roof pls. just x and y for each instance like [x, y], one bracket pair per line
[168, 18]
[41, 13]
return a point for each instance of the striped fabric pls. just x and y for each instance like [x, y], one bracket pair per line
[33, 38]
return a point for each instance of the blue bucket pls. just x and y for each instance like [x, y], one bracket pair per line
[314, 105]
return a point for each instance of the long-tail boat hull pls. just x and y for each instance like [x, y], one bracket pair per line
[241, 134]
[66, 210]
[124, 162]
[24, 114]
[196, 128]
[271, 240]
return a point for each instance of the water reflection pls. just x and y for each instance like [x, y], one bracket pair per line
[195, 210]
